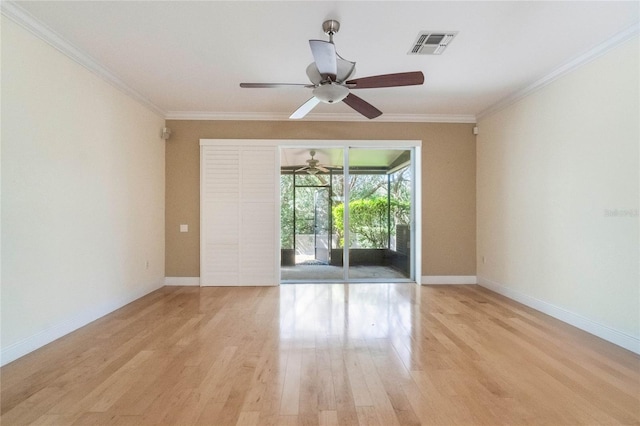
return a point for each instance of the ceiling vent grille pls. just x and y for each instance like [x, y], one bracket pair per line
[432, 42]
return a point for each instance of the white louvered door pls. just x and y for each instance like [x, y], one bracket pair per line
[239, 219]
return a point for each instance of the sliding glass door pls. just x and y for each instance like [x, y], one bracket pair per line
[347, 214]
[379, 214]
[310, 186]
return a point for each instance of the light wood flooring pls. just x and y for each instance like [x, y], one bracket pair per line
[324, 354]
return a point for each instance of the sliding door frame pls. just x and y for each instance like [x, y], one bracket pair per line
[416, 205]
[414, 146]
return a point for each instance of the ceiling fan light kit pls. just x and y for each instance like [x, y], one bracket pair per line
[330, 93]
[330, 73]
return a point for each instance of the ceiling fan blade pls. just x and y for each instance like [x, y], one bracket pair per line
[362, 106]
[324, 54]
[322, 169]
[272, 85]
[305, 108]
[301, 169]
[387, 80]
[345, 69]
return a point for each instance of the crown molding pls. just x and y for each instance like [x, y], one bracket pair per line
[27, 21]
[260, 116]
[563, 69]
[21, 17]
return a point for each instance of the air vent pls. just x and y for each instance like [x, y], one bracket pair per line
[432, 42]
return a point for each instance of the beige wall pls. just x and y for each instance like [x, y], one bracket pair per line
[558, 184]
[448, 167]
[82, 195]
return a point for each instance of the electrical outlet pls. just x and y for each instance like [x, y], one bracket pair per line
[483, 259]
[184, 228]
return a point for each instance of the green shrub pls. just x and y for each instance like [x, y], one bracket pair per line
[368, 219]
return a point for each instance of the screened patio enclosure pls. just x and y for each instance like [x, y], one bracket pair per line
[349, 218]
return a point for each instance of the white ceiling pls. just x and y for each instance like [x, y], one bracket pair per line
[188, 58]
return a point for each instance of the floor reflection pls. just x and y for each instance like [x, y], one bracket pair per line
[348, 314]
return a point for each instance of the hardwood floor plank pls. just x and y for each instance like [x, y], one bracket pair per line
[247, 418]
[393, 376]
[290, 403]
[345, 405]
[328, 418]
[123, 378]
[324, 354]
[379, 395]
[356, 377]
[32, 408]
[309, 388]
[368, 416]
[210, 413]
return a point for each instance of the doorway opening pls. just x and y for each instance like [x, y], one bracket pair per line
[347, 214]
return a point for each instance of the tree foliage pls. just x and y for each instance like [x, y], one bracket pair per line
[368, 208]
[286, 211]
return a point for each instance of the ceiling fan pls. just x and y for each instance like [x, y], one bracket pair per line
[313, 166]
[330, 73]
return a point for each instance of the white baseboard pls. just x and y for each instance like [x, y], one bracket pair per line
[182, 281]
[604, 332]
[56, 331]
[448, 279]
